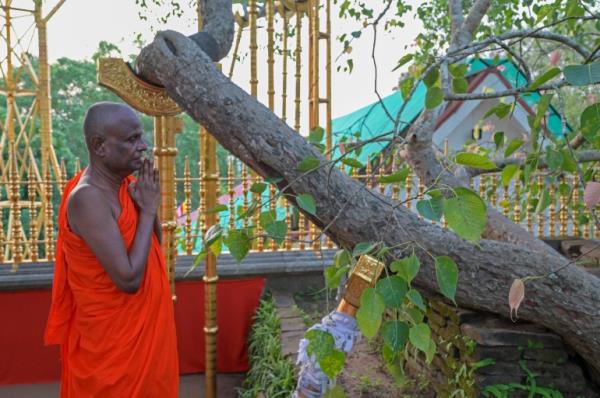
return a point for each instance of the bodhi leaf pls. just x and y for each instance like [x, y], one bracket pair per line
[370, 312]
[395, 334]
[446, 272]
[307, 203]
[431, 209]
[475, 160]
[333, 363]
[590, 121]
[434, 97]
[406, 268]
[333, 276]
[392, 289]
[508, 173]
[544, 77]
[583, 75]
[466, 214]
[419, 336]
[238, 242]
[308, 163]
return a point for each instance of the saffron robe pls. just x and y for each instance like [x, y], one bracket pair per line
[113, 344]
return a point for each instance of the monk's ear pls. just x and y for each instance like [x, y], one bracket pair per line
[97, 145]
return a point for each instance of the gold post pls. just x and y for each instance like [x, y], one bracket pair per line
[298, 75]
[284, 65]
[43, 94]
[33, 228]
[49, 238]
[210, 273]
[301, 231]
[328, 137]
[562, 213]
[253, 47]
[15, 210]
[63, 176]
[187, 192]
[505, 202]
[540, 215]
[2, 236]
[517, 207]
[408, 189]
[552, 210]
[231, 191]
[269, 8]
[245, 192]
[494, 198]
[313, 52]
[77, 165]
[576, 231]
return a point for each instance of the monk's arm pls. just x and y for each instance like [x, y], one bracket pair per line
[91, 218]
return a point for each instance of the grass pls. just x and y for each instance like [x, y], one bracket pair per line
[270, 375]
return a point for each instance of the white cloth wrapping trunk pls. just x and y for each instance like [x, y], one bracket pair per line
[312, 382]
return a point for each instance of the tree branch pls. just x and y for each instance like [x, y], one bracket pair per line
[506, 93]
[456, 17]
[473, 20]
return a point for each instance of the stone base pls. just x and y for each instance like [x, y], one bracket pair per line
[477, 351]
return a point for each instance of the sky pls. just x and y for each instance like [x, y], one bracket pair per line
[79, 25]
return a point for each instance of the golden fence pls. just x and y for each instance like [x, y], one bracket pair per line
[26, 201]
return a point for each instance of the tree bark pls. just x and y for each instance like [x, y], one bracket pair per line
[567, 304]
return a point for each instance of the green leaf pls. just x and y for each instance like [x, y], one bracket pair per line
[398, 176]
[333, 276]
[406, 268]
[590, 121]
[216, 246]
[512, 147]
[354, 163]
[217, 209]
[554, 159]
[434, 98]
[499, 139]
[568, 161]
[406, 86]
[258, 187]
[432, 77]
[415, 314]
[460, 85]
[276, 231]
[583, 75]
[403, 61]
[542, 107]
[501, 110]
[395, 334]
[273, 180]
[316, 135]
[475, 161]
[307, 203]
[369, 314]
[238, 242]
[320, 343]
[267, 217]
[342, 258]
[430, 352]
[544, 201]
[458, 70]
[415, 297]
[392, 289]
[333, 363]
[308, 163]
[446, 272]
[508, 172]
[466, 214]
[363, 248]
[431, 209]
[544, 77]
[419, 336]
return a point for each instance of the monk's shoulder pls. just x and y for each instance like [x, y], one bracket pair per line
[86, 200]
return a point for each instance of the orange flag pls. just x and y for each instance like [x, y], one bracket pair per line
[113, 344]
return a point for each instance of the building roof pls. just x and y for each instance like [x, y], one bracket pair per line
[373, 120]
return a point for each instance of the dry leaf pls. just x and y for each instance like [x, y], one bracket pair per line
[515, 297]
[591, 195]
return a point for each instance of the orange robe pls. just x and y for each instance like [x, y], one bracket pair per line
[113, 344]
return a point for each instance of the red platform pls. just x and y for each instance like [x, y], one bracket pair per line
[24, 359]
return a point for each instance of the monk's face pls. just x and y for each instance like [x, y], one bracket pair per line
[124, 142]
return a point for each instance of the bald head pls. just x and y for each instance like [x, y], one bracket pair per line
[114, 137]
[103, 117]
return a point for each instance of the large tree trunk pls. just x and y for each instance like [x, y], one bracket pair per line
[567, 303]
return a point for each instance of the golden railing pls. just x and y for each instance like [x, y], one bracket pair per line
[24, 201]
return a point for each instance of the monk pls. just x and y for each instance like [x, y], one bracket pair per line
[111, 308]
